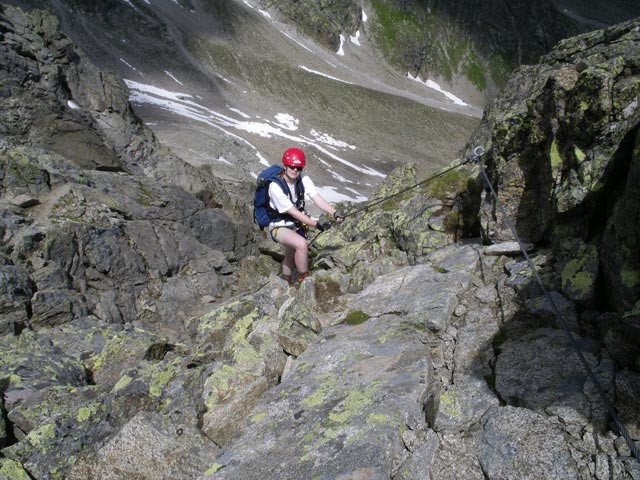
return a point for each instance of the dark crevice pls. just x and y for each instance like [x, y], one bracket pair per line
[10, 438]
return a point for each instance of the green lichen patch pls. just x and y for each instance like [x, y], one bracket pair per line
[555, 156]
[355, 317]
[12, 470]
[634, 312]
[449, 403]
[42, 436]
[322, 392]
[630, 278]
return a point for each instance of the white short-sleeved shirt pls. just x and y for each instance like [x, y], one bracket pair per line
[279, 201]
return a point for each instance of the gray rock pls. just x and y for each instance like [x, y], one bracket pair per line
[517, 443]
[16, 289]
[541, 371]
[151, 446]
[507, 248]
[456, 458]
[419, 463]
[405, 291]
[340, 410]
[553, 310]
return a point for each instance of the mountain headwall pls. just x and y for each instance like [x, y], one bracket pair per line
[563, 155]
[469, 45]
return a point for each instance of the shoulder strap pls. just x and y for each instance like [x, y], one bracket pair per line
[299, 187]
[283, 185]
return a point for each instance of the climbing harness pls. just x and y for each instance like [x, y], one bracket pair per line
[477, 153]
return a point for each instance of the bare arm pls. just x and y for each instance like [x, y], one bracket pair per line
[298, 215]
[323, 204]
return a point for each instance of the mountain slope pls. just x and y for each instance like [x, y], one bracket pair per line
[227, 88]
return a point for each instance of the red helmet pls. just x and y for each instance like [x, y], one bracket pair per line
[293, 157]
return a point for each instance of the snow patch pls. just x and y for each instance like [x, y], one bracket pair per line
[128, 2]
[435, 86]
[340, 48]
[330, 141]
[182, 104]
[355, 39]
[287, 121]
[330, 195]
[239, 112]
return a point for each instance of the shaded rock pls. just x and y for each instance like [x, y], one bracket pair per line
[562, 138]
[627, 385]
[3, 428]
[515, 440]
[51, 307]
[552, 310]
[16, 289]
[621, 347]
[213, 227]
[579, 269]
[542, 372]
[620, 264]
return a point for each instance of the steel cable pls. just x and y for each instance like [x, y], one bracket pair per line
[384, 199]
[477, 153]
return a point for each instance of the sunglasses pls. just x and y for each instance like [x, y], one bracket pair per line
[297, 169]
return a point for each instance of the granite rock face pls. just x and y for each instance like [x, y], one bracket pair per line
[562, 143]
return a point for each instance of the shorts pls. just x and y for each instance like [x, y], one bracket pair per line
[278, 233]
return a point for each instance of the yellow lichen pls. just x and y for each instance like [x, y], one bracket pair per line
[122, 383]
[350, 405]
[554, 155]
[10, 469]
[213, 469]
[40, 436]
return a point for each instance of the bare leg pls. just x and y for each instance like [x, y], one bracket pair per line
[295, 253]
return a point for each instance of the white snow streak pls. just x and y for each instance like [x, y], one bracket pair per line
[172, 77]
[323, 74]
[131, 67]
[435, 86]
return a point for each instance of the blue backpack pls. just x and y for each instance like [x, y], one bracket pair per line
[263, 214]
